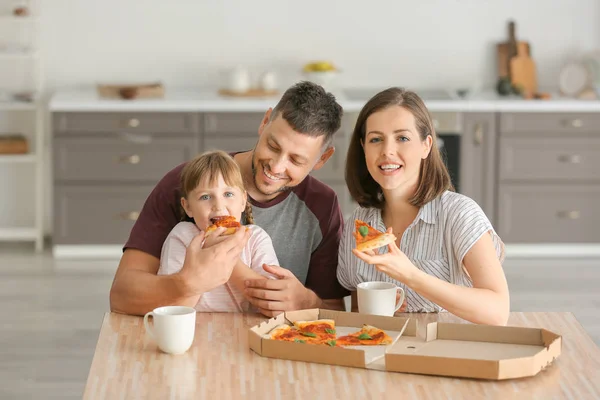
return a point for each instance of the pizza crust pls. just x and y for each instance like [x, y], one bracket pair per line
[212, 228]
[383, 240]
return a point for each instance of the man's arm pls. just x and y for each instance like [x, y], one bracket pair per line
[137, 289]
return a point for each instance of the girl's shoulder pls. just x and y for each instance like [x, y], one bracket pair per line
[256, 232]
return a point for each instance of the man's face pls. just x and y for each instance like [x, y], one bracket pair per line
[283, 157]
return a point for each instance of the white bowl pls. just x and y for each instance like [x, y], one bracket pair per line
[325, 78]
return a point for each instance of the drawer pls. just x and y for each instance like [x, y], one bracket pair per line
[112, 159]
[333, 168]
[573, 159]
[549, 123]
[96, 214]
[549, 213]
[231, 122]
[163, 122]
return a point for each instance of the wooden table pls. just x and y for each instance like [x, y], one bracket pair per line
[127, 365]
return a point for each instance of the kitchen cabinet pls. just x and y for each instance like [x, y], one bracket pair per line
[478, 160]
[105, 166]
[549, 186]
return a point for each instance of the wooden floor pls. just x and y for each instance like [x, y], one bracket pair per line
[52, 312]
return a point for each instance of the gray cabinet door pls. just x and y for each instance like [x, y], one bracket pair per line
[142, 122]
[96, 214]
[549, 124]
[478, 160]
[113, 159]
[232, 122]
[552, 159]
[549, 213]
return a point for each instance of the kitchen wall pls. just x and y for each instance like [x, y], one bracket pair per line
[420, 44]
[433, 43]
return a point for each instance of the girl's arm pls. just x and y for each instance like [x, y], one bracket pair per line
[173, 256]
[487, 302]
[262, 252]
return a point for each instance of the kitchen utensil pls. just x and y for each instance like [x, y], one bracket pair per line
[573, 79]
[504, 52]
[521, 67]
[249, 93]
[131, 91]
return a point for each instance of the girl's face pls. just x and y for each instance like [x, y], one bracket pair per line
[206, 202]
[393, 148]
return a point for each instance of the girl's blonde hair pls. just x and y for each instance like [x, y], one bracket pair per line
[210, 165]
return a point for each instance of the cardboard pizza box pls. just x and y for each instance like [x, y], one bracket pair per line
[371, 357]
[475, 351]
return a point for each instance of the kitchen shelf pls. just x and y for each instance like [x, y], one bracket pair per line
[17, 158]
[18, 105]
[27, 56]
[5, 55]
[16, 18]
[18, 233]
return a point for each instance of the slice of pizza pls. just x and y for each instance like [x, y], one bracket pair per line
[323, 329]
[367, 336]
[289, 333]
[369, 238]
[226, 221]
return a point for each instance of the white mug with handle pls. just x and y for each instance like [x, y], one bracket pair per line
[174, 328]
[379, 298]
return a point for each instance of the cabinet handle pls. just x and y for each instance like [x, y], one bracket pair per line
[132, 159]
[129, 216]
[569, 158]
[133, 123]
[575, 123]
[478, 134]
[135, 138]
[574, 214]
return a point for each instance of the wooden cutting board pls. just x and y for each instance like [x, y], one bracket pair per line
[523, 73]
[503, 56]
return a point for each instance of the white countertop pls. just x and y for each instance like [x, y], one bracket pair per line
[205, 101]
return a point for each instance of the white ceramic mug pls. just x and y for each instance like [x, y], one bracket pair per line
[379, 298]
[174, 328]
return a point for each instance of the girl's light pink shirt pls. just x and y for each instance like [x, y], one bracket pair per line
[224, 298]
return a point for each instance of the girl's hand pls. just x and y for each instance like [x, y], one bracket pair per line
[394, 263]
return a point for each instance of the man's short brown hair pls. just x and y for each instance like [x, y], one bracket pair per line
[310, 110]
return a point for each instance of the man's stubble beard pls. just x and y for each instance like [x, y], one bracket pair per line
[282, 189]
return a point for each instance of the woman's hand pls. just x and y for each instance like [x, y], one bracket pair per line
[394, 263]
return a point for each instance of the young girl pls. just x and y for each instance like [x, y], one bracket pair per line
[212, 186]
[447, 255]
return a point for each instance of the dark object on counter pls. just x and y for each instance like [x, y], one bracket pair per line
[128, 93]
[21, 11]
[504, 86]
[462, 93]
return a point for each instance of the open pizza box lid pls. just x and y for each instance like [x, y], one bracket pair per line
[475, 351]
[372, 357]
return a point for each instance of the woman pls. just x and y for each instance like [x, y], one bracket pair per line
[447, 255]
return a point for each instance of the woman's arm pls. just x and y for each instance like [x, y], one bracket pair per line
[487, 302]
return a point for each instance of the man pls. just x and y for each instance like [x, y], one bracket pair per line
[300, 213]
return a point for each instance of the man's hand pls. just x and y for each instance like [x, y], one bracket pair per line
[274, 296]
[205, 268]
